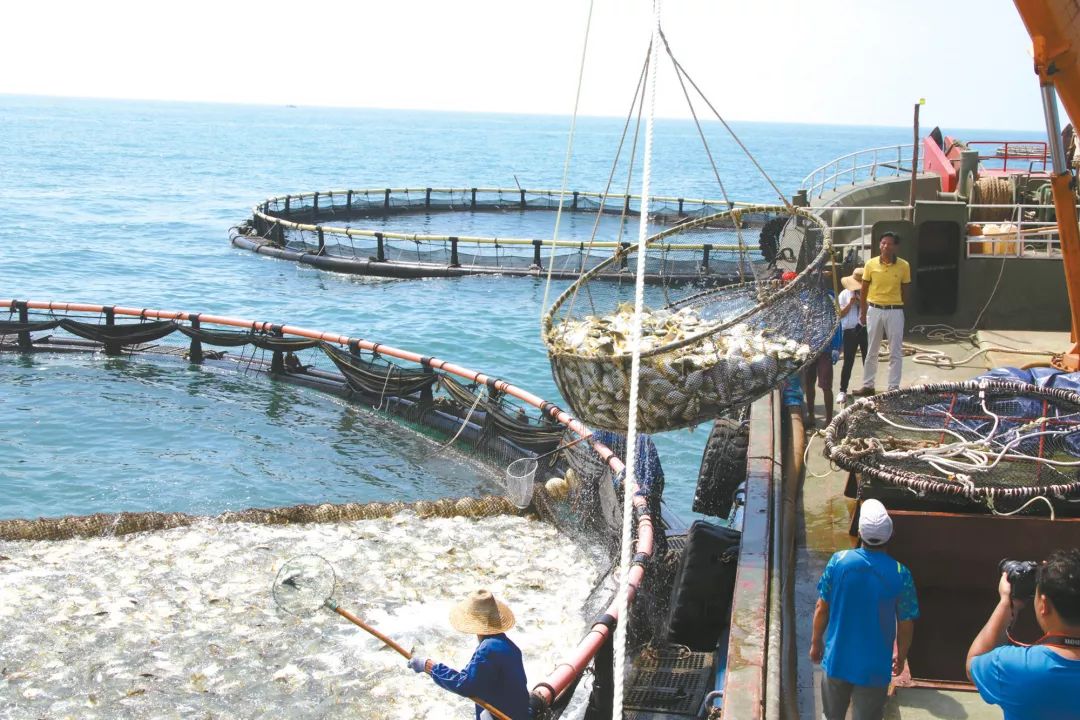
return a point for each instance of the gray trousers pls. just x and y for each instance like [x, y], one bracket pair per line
[868, 702]
[890, 324]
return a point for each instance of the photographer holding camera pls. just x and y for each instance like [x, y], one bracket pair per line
[1040, 681]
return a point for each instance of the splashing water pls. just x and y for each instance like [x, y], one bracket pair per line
[181, 623]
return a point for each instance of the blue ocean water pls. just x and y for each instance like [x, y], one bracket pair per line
[130, 203]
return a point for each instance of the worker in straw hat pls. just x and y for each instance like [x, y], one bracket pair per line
[854, 331]
[866, 603]
[495, 674]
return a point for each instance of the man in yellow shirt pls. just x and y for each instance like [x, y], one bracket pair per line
[881, 309]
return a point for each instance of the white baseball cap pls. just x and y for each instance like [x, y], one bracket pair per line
[875, 525]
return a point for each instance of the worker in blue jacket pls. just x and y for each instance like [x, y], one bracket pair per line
[495, 674]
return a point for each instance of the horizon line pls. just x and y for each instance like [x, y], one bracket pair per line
[308, 106]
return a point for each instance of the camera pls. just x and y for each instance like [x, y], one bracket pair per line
[1022, 575]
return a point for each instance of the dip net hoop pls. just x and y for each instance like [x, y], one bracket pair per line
[976, 441]
[520, 475]
[304, 584]
[704, 351]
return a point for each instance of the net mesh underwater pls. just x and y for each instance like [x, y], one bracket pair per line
[572, 485]
[997, 444]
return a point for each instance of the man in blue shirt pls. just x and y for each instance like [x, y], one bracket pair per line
[495, 675]
[1041, 681]
[866, 602]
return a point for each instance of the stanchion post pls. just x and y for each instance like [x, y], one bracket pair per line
[25, 342]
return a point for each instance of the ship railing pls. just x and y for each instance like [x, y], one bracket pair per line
[852, 227]
[1031, 156]
[1025, 231]
[1021, 231]
[856, 167]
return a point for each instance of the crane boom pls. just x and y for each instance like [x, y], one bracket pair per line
[1054, 27]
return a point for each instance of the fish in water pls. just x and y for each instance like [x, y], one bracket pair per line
[181, 622]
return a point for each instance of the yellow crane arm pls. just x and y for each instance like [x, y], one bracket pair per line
[1054, 27]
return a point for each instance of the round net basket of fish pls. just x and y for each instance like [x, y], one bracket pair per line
[757, 310]
[985, 442]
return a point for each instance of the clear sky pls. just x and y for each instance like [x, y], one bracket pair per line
[860, 62]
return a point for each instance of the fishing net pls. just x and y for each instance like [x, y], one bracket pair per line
[388, 231]
[703, 351]
[573, 485]
[969, 442]
[519, 481]
[304, 584]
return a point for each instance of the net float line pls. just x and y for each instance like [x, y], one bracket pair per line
[126, 523]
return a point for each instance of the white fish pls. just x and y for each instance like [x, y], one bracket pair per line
[188, 627]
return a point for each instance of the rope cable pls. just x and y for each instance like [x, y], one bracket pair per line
[637, 100]
[1014, 512]
[566, 160]
[679, 68]
[697, 124]
[623, 597]
[948, 333]
[956, 461]
[464, 423]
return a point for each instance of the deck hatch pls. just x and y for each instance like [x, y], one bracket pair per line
[670, 681]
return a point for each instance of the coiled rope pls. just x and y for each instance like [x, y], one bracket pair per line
[955, 462]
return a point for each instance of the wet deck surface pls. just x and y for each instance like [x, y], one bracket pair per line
[826, 516]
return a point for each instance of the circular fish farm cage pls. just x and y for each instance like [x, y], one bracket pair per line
[576, 486]
[317, 229]
[987, 444]
[703, 352]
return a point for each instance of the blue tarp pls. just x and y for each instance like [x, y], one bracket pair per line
[1040, 377]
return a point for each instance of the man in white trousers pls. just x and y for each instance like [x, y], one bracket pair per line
[881, 309]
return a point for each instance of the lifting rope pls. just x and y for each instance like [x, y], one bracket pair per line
[566, 161]
[681, 72]
[623, 597]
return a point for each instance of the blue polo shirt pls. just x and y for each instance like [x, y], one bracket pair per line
[1029, 683]
[867, 592]
[495, 674]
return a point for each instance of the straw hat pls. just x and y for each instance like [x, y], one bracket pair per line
[853, 281]
[481, 614]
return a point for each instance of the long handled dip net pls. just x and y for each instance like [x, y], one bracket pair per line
[991, 443]
[703, 352]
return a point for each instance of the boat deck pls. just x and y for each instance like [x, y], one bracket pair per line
[825, 516]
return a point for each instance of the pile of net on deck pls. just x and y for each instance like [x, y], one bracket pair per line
[703, 351]
[994, 440]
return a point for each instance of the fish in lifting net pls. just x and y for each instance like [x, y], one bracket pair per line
[599, 336]
[684, 383]
[610, 334]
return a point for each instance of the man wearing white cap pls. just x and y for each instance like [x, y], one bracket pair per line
[866, 602]
[495, 674]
